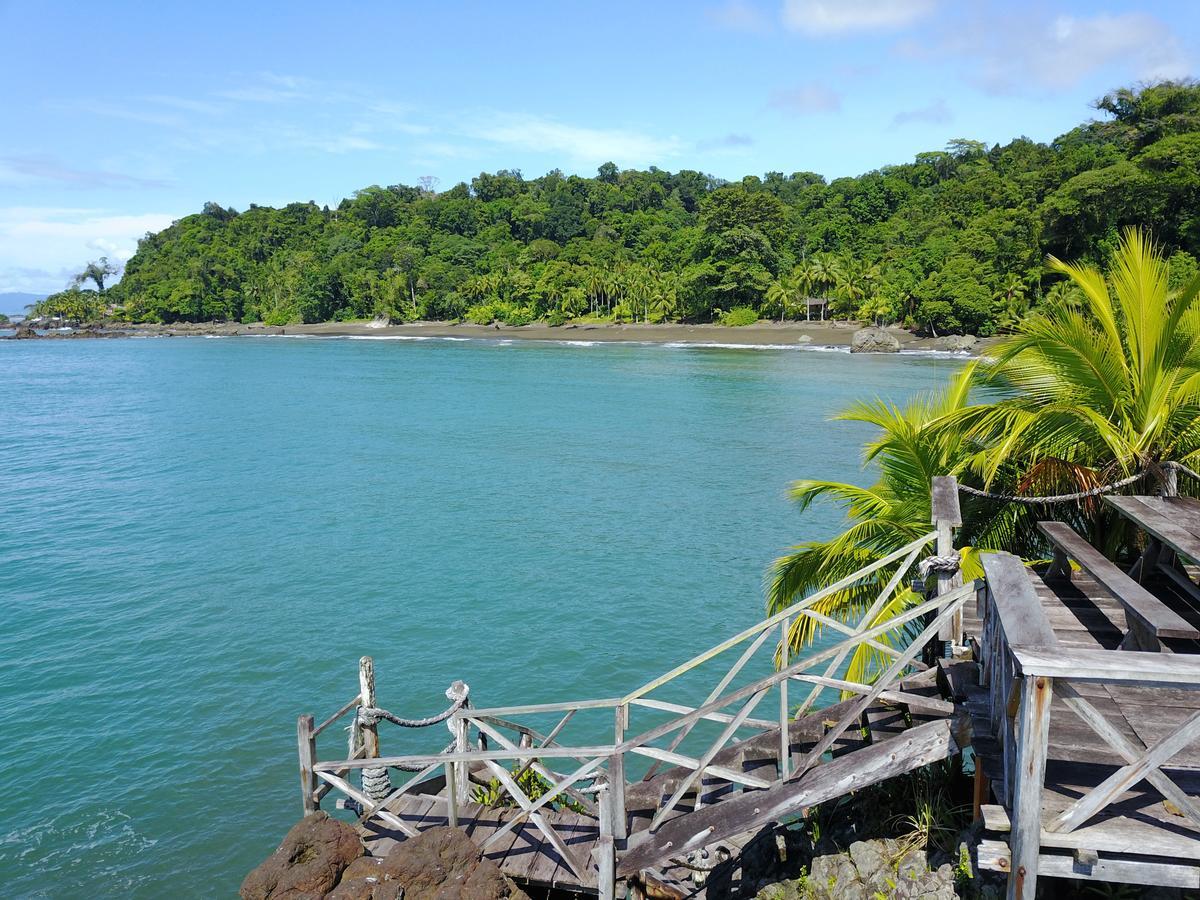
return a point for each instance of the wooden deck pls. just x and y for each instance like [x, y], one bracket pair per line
[1138, 838]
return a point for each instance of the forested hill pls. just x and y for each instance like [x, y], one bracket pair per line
[955, 239]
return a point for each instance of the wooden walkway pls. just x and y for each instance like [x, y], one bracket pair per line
[1077, 688]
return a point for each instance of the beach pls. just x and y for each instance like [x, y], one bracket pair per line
[761, 334]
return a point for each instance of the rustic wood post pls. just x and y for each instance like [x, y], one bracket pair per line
[366, 688]
[784, 731]
[307, 746]
[451, 796]
[616, 775]
[1170, 481]
[947, 516]
[461, 727]
[605, 852]
[376, 783]
[1026, 839]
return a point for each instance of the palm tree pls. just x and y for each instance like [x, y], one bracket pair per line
[1012, 297]
[783, 291]
[894, 511]
[1101, 384]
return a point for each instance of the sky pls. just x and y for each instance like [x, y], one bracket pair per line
[118, 118]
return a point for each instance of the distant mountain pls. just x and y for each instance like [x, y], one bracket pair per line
[14, 302]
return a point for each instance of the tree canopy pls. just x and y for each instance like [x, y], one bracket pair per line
[954, 240]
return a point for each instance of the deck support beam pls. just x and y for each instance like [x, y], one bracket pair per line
[1033, 732]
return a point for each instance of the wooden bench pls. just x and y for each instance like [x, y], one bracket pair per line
[1149, 619]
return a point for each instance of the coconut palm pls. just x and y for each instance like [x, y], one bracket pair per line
[783, 291]
[1099, 385]
[909, 451]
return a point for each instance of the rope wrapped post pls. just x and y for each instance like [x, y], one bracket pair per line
[460, 692]
[376, 783]
[947, 516]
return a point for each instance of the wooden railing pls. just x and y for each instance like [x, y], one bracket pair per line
[503, 742]
[1023, 667]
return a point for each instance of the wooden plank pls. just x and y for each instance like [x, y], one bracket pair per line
[692, 763]
[1131, 667]
[306, 741]
[944, 501]
[1154, 615]
[994, 856]
[750, 810]
[722, 718]
[1157, 525]
[1117, 783]
[345, 708]
[1016, 603]
[1034, 733]
[470, 756]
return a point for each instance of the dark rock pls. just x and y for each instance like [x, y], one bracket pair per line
[956, 343]
[308, 863]
[24, 332]
[874, 340]
[441, 864]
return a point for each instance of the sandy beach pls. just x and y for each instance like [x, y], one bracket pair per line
[788, 334]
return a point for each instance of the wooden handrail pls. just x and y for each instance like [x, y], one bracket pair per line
[1134, 667]
[1022, 618]
[353, 702]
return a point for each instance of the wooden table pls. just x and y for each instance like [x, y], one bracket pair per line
[1173, 523]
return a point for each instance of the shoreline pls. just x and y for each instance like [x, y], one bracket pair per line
[789, 335]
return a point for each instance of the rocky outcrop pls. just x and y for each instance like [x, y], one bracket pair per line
[308, 863]
[874, 340]
[870, 869]
[438, 864]
[956, 343]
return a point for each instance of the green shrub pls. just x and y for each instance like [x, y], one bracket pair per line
[556, 318]
[517, 315]
[739, 315]
[483, 313]
[281, 317]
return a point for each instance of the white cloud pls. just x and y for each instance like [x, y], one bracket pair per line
[807, 99]
[824, 17]
[39, 244]
[1030, 50]
[39, 169]
[583, 145]
[936, 113]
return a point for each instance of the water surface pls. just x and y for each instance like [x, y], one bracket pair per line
[199, 538]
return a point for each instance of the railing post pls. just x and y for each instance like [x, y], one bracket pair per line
[605, 851]
[375, 781]
[307, 747]
[785, 743]
[1170, 481]
[1033, 729]
[616, 773]
[947, 515]
[461, 728]
[451, 796]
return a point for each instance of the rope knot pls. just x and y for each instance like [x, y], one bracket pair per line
[948, 563]
[458, 692]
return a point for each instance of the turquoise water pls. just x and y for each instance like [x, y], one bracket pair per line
[199, 538]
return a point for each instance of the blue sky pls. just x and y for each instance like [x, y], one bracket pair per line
[120, 117]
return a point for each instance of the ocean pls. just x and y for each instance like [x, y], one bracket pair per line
[200, 537]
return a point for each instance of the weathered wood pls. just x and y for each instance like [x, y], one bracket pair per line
[468, 756]
[306, 742]
[915, 701]
[687, 781]
[1131, 753]
[784, 743]
[364, 801]
[944, 501]
[451, 795]
[1151, 520]
[747, 812]
[556, 787]
[345, 708]
[605, 849]
[534, 708]
[1132, 667]
[1016, 603]
[366, 686]
[616, 787]
[722, 718]
[994, 856]
[461, 729]
[1115, 835]
[946, 517]
[547, 830]
[1154, 615]
[691, 762]
[881, 600]
[772, 621]
[1117, 783]
[1033, 737]
[534, 764]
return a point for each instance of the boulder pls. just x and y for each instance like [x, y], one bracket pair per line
[870, 869]
[438, 864]
[25, 331]
[956, 343]
[308, 863]
[874, 340]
